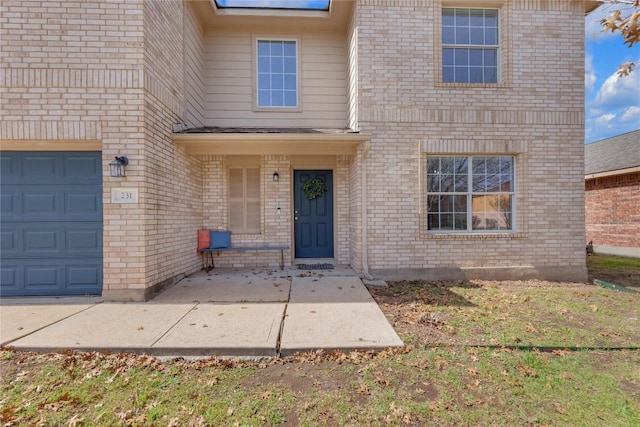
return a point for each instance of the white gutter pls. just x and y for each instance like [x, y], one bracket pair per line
[365, 242]
[612, 173]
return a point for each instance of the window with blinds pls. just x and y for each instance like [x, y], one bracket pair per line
[244, 200]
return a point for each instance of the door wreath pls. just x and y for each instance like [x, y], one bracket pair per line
[314, 188]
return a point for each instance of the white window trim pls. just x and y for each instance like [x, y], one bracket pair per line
[254, 60]
[470, 194]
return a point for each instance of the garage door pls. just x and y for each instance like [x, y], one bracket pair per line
[51, 223]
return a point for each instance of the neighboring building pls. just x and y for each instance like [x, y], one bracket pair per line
[612, 194]
[449, 138]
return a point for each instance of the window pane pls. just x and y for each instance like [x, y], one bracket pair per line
[491, 75]
[276, 48]
[290, 98]
[264, 98]
[462, 35]
[448, 35]
[263, 48]
[447, 56]
[290, 81]
[277, 65]
[290, 49]
[490, 57]
[491, 36]
[461, 75]
[477, 36]
[448, 75]
[264, 65]
[277, 98]
[491, 17]
[475, 75]
[448, 16]
[277, 81]
[289, 65]
[264, 82]
[476, 17]
[462, 17]
[476, 57]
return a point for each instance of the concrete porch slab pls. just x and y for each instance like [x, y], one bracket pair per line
[334, 313]
[245, 329]
[108, 326]
[230, 286]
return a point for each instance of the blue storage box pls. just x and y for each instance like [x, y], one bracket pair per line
[220, 239]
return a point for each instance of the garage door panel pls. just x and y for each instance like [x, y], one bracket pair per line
[51, 235]
[33, 277]
[82, 203]
[83, 169]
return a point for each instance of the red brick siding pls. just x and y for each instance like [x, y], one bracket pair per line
[612, 208]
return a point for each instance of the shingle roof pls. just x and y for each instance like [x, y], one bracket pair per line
[615, 153]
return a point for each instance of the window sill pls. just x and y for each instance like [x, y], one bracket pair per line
[473, 85]
[257, 109]
[476, 236]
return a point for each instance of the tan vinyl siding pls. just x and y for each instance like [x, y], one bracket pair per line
[193, 70]
[229, 86]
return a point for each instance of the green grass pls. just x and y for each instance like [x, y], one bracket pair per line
[450, 384]
[613, 262]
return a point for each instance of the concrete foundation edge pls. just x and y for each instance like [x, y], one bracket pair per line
[576, 274]
[140, 295]
[617, 250]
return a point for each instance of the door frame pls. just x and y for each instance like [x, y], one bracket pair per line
[313, 163]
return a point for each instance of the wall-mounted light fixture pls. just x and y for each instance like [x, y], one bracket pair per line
[276, 177]
[116, 167]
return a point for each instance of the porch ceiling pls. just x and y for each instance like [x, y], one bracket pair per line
[290, 143]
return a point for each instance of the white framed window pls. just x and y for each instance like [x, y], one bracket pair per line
[470, 193]
[470, 45]
[244, 200]
[277, 75]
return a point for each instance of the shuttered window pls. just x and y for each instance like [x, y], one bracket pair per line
[244, 200]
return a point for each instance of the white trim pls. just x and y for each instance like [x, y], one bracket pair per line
[612, 173]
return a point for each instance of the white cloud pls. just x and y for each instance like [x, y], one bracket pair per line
[631, 114]
[618, 92]
[605, 120]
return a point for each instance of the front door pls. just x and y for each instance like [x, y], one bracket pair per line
[313, 213]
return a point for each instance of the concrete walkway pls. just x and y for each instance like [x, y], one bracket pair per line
[261, 313]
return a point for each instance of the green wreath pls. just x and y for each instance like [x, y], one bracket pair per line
[314, 188]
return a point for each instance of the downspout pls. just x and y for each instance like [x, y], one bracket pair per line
[365, 243]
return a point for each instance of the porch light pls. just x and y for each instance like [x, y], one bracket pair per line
[276, 177]
[116, 167]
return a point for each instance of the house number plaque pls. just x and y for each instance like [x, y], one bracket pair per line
[124, 195]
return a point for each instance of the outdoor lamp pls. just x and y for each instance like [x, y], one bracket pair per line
[276, 177]
[116, 167]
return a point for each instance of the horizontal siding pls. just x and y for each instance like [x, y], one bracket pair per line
[228, 87]
[194, 71]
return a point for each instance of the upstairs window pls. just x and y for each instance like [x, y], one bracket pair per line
[470, 45]
[277, 73]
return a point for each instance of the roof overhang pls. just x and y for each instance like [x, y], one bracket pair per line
[612, 173]
[269, 143]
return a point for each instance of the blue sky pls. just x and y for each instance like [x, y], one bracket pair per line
[612, 104]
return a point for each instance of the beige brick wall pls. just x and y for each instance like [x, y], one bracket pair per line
[94, 74]
[536, 114]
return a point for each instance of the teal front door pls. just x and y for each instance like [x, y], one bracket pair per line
[313, 216]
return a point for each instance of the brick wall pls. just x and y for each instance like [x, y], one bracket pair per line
[535, 113]
[108, 75]
[612, 207]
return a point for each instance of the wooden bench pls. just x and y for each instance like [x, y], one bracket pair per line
[217, 241]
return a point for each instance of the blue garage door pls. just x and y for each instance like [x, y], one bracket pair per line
[51, 223]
